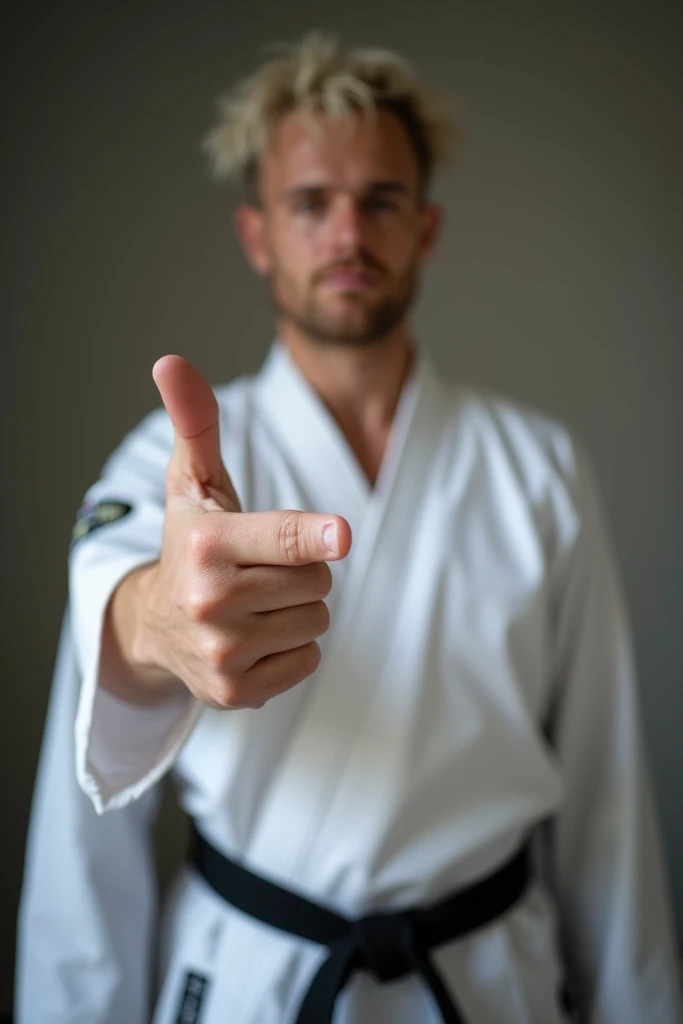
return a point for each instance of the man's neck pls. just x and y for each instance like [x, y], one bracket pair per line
[360, 385]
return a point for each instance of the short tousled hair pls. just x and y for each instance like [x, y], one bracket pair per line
[315, 76]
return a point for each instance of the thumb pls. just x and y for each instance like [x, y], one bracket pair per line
[196, 467]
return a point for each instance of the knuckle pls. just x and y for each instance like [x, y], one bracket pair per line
[288, 535]
[206, 602]
[195, 542]
[220, 653]
[201, 546]
[227, 695]
[197, 605]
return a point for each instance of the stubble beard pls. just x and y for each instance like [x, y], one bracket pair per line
[363, 326]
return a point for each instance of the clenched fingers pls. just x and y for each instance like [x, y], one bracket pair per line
[234, 650]
[280, 672]
[265, 588]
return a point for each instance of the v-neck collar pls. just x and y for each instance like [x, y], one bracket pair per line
[317, 447]
[370, 578]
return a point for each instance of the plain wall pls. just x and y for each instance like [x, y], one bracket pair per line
[558, 282]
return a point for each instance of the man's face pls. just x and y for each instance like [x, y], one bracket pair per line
[342, 230]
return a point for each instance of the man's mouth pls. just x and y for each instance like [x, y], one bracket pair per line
[351, 279]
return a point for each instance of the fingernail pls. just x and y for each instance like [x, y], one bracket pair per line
[331, 538]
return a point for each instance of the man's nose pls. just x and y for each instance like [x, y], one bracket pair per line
[346, 225]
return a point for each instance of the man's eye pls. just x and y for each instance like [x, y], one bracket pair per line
[310, 205]
[375, 204]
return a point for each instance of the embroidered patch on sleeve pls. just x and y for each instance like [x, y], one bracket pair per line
[91, 516]
[191, 1002]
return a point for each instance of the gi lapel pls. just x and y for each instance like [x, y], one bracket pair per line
[342, 690]
[318, 457]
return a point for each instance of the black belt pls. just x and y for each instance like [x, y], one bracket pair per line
[391, 945]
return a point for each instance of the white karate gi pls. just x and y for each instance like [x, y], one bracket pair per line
[477, 679]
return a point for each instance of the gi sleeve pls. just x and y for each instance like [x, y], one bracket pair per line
[121, 749]
[608, 867]
[88, 909]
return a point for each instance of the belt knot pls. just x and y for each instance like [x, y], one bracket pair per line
[386, 944]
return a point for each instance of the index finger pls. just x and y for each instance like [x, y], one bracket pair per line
[286, 537]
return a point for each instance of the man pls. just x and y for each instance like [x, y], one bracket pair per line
[371, 621]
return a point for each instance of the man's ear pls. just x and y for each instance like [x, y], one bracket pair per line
[432, 218]
[249, 224]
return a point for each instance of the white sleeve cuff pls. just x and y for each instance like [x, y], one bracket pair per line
[129, 747]
[122, 749]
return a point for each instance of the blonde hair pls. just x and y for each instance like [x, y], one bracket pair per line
[315, 76]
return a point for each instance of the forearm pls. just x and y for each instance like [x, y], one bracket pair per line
[128, 666]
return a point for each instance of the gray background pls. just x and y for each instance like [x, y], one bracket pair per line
[558, 282]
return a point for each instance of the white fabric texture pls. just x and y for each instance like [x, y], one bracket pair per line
[477, 682]
[88, 913]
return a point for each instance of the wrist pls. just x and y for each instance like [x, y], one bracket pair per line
[146, 679]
